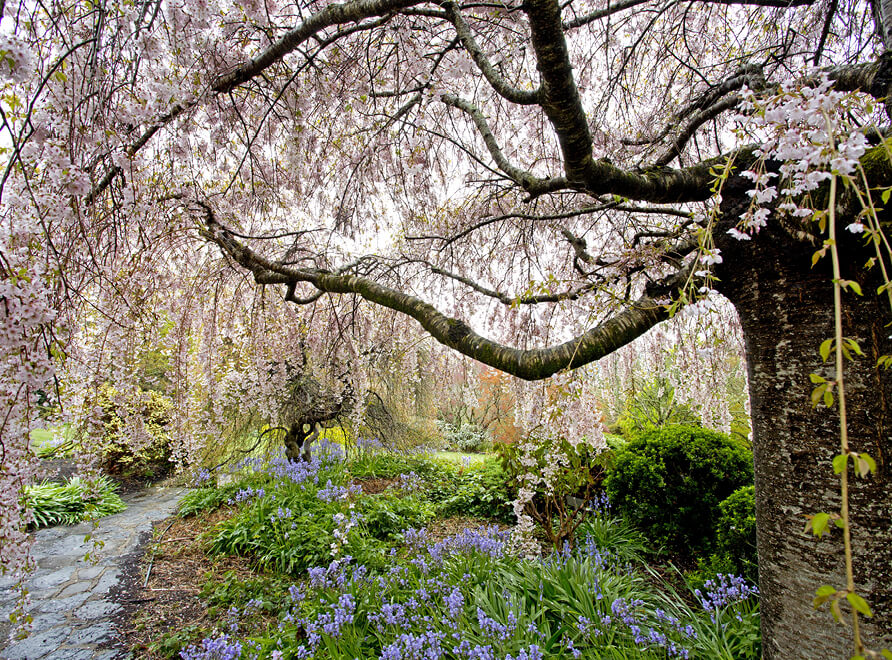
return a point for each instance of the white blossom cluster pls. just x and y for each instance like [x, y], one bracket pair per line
[15, 59]
[811, 132]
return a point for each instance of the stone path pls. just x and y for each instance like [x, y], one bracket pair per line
[70, 599]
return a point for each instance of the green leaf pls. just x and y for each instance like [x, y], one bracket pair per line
[854, 286]
[858, 603]
[815, 378]
[868, 460]
[885, 197]
[840, 462]
[826, 590]
[819, 523]
[839, 522]
[886, 653]
[851, 343]
[828, 397]
[817, 393]
[826, 347]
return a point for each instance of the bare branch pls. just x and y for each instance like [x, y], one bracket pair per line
[533, 185]
[498, 83]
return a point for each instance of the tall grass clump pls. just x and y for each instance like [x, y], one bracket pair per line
[71, 502]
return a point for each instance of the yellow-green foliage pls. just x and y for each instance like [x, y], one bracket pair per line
[148, 410]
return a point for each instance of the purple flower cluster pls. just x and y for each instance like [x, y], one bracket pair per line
[486, 540]
[495, 630]
[600, 504]
[217, 648]
[202, 478]
[531, 653]
[331, 623]
[455, 603]
[332, 492]
[297, 472]
[645, 635]
[246, 494]
[409, 483]
[424, 646]
[723, 591]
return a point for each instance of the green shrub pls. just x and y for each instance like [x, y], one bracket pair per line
[735, 531]
[118, 454]
[71, 502]
[669, 482]
[483, 492]
[465, 437]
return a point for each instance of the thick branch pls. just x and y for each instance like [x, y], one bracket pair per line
[499, 84]
[532, 364]
[347, 12]
[533, 185]
[563, 107]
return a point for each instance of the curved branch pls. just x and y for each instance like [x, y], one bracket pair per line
[696, 122]
[499, 84]
[532, 364]
[346, 12]
[533, 185]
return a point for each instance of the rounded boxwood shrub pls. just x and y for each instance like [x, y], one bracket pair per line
[669, 482]
[735, 530]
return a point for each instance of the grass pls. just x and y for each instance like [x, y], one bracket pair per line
[461, 458]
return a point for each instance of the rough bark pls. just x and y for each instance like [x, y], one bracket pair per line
[298, 441]
[786, 311]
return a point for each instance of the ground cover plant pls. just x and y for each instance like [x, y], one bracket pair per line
[72, 501]
[350, 574]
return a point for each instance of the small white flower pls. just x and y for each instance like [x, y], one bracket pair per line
[712, 257]
[855, 227]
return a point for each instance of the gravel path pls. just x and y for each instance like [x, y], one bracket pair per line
[70, 601]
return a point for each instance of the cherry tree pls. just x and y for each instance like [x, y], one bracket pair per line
[535, 184]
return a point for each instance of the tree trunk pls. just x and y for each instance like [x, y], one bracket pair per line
[786, 311]
[298, 440]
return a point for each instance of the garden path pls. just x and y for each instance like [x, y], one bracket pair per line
[72, 600]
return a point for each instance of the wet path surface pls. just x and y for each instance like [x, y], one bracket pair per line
[71, 603]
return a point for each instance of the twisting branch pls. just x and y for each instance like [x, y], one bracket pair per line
[504, 298]
[532, 364]
[696, 122]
